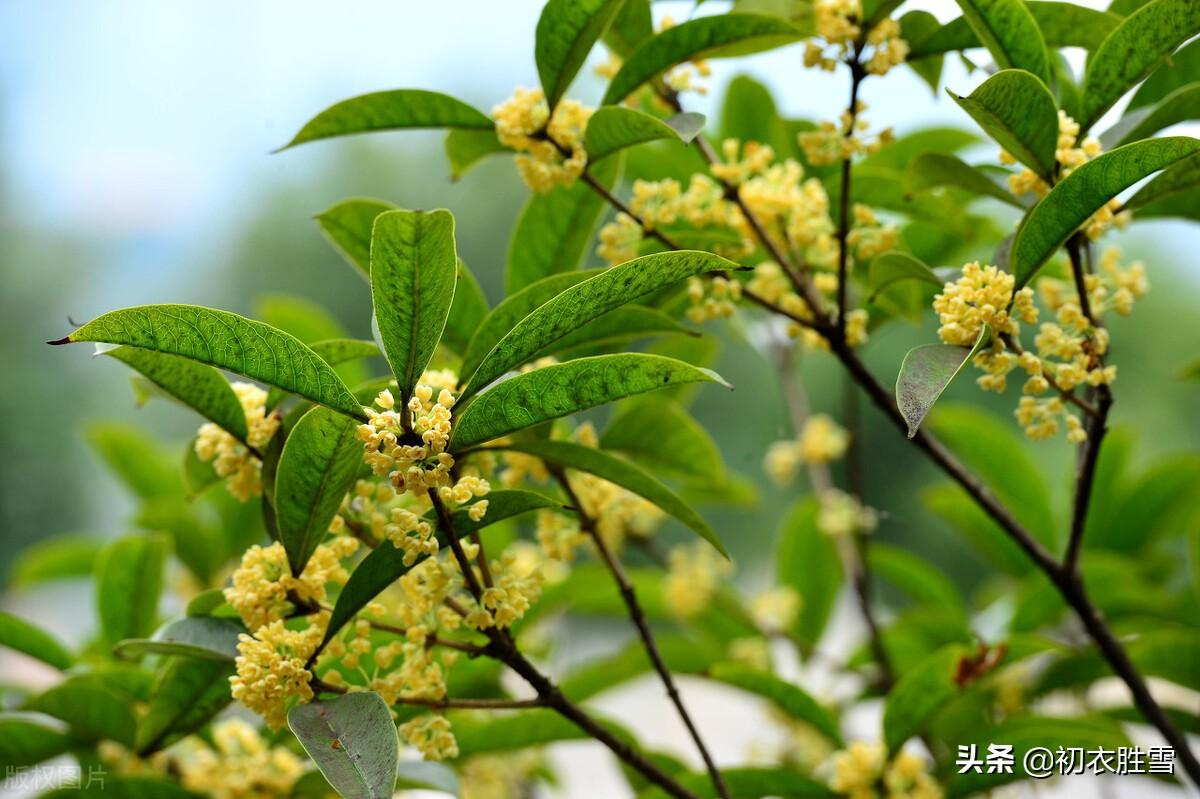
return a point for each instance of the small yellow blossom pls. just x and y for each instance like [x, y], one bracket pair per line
[619, 240]
[263, 581]
[693, 574]
[550, 148]
[239, 764]
[431, 734]
[231, 459]
[775, 609]
[272, 669]
[843, 514]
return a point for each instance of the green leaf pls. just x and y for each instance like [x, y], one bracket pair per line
[1061, 24]
[929, 170]
[391, 110]
[298, 316]
[631, 27]
[807, 560]
[413, 272]
[348, 226]
[1017, 110]
[562, 389]
[502, 504]
[913, 575]
[585, 301]
[56, 558]
[791, 699]
[467, 311]
[515, 307]
[1174, 181]
[193, 636]
[615, 128]
[620, 324]
[620, 472]
[702, 37]
[466, 148]
[1181, 105]
[129, 578]
[201, 388]
[1080, 194]
[353, 741]
[89, 707]
[136, 459]
[320, 462]
[1175, 72]
[566, 32]
[1134, 48]
[926, 372]
[663, 436]
[525, 728]
[187, 693]
[890, 268]
[27, 739]
[227, 341]
[918, 27]
[554, 229]
[18, 634]
[919, 694]
[426, 775]
[379, 569]
[1010, 33]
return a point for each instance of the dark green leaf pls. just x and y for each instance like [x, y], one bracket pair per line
[379, 569]
[566, 32]
[631, 27]
[1017, 110]
[391, 110]
[467, 311]
[18, 634]
[893, 267]
[187, 693]
[1135, 47]
[90, 708]
[502, 504]
[1010, 33]
[1181, 105]
[918, 27]
[298, 316]
[663, 436]
[1079, 195]
[919, 694]
[929, 170]
[56, 558]
[525, 728]
[791, 699]
[1174, 181]
[348, 226]
[353, 741]
[620, 472]
[1175, 72]
[620, 324]
[807, 560]
[129, 578]
[413, 272]
[615, 128]
[562, 389]
[320, 462]
[926, 372]
[703, 37]
[1062, 25]
[228, 341]
[584, 302]
[27, 739]
[193, 636]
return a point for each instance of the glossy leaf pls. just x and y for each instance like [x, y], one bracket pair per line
[1181, 105]
[379, 569]
[1182, 68]
[90, 708]
[227, 341]
[1061, 24]
[926, 372]
[1010, 33]
[663, 436]
[467, 311]
[631, 27]
[791, 699]
[930, 170]
[466, 148]
[391, 110]
[348, 226]
[203, 637]
[1073, 200]
[566, 32]
[56, 558]
[1017, 110]
[196, 385]
[619, 324]
[615, 128]
[806, 560]
[18, 634]
[554, 229]
[584, 302]
[562, 389]
[1174, 181]
[702, 37]
[129, 579]
[353, 741]
[27, 739]
[320, 461]
[502, 504]
[919, 694]
[893, 267]
[187, 693]
[414, 269]
[621, 472]
[1132, 50]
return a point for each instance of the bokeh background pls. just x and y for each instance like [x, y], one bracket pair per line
[135, 167]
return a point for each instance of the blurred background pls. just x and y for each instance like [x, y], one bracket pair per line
[135, 167]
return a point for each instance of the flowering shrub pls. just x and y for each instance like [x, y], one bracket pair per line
[373, 563]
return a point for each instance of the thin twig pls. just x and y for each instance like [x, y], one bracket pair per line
[1070, 396]
[856, 76]
[629, 595]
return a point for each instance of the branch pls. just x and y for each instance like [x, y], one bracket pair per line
[639, 621]
[856, 77]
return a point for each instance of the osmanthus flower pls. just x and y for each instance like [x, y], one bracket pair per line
[863, 771]
[272, 668]
[821, 440]
[431, 735]
[775, 609]
[231, 460]
[843, 514]
[506, 776]
[263, 582]
[550, 147]
[832, 142]
[694, 571]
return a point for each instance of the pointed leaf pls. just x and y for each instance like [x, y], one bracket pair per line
[663, 436]
[1182, 68]
[791, 699]
[614, 128]
[631, 27]
[1079, 195]
[1174, 181]
[227, 341]
[129, 578]
[353, 741]
[919, 694]
[466, 148]
[56, 558]
[320, 461]
[187, 693]
[566, 32]
[1061, 24]
[926, 372]
[893, 267]
[1134, 48]
[929, 170]
[18, 634]
[467, 311]
[1010, 33]
[620, 472]
[585, 301]
[1181, 105]
[27, 739]
[391, 110]
[204, 637]
[348, 226]
[562, 389]
[1018, 111]
[806, 560]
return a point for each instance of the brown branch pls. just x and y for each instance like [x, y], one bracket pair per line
[856, 77]
[629, 595]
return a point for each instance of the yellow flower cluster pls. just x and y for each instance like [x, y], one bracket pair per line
[838, 23]
[263, 582]
[861, 769]
[693, 575]
[775, 610]
[820, 441]
[619, 240]
[431, 734]
[831, 142]
[1070, 153]
[980, 296]
[550, 148]
[239, 764]
[770, 283]
[505, 776]
[683, 77]
[842, 514]
[272, 668]
[716, 301]
[231, 459]
[870, 237]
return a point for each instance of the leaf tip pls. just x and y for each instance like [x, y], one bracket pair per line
[60, 341]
